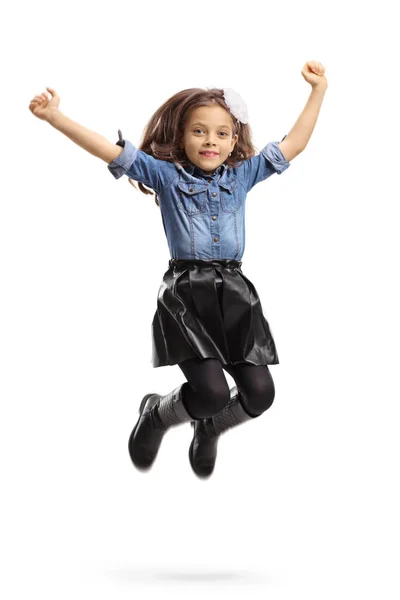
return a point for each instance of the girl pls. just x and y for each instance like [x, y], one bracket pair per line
[197, 156]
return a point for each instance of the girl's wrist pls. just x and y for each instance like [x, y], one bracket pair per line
[52, 115]
[320, 87]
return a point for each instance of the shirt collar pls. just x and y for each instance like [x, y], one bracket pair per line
[196, 171]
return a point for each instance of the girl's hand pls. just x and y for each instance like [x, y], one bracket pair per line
[313, 73]
[41, 106]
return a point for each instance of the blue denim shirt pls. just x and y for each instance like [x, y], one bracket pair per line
[203, 215]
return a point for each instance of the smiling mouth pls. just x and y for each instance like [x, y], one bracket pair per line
[209, 154]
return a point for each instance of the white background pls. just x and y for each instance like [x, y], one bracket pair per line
[304, 501]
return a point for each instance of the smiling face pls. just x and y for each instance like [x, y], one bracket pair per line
[208, 128]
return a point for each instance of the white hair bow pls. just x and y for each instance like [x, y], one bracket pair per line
[236, 105]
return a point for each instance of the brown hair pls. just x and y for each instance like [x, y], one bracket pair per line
[162, 134]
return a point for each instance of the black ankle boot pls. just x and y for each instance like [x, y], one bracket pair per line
[203, 449]
[157, 414]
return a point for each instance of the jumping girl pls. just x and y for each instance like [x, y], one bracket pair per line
[198, 158]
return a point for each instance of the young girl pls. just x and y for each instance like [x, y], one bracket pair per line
[198, 157]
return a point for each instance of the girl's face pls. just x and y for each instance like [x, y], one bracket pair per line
[208, 128]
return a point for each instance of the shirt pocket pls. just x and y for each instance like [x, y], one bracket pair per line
[193, 197]
[231, 197]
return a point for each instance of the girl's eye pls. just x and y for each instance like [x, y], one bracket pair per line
[224, 132]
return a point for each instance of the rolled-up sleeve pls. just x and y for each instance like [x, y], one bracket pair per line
[140, 166]
[260, 167]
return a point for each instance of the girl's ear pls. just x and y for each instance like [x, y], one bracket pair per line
[234, 140]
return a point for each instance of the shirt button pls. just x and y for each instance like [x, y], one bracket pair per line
[190, 189]
[215, 239]
[214, 193]
[213, 217]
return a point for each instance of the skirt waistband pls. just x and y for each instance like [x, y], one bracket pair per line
[183, 262]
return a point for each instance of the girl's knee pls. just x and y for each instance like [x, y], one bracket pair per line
[212, 399]
[206, 399]
[260, 398]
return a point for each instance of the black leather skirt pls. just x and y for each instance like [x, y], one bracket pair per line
[210, 309]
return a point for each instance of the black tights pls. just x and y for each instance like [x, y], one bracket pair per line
[206, 391]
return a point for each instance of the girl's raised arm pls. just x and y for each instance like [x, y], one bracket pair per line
[47, 110]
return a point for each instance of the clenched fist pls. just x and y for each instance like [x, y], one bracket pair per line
[41, 105]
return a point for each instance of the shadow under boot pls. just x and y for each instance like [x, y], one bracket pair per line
[203, 449]
[157, 414]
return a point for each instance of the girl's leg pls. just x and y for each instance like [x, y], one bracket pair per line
[206, 391]
[253, 394]
[204, 394]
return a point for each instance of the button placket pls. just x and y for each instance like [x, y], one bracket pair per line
[214, 227]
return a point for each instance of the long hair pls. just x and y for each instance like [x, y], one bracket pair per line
[162, 134]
